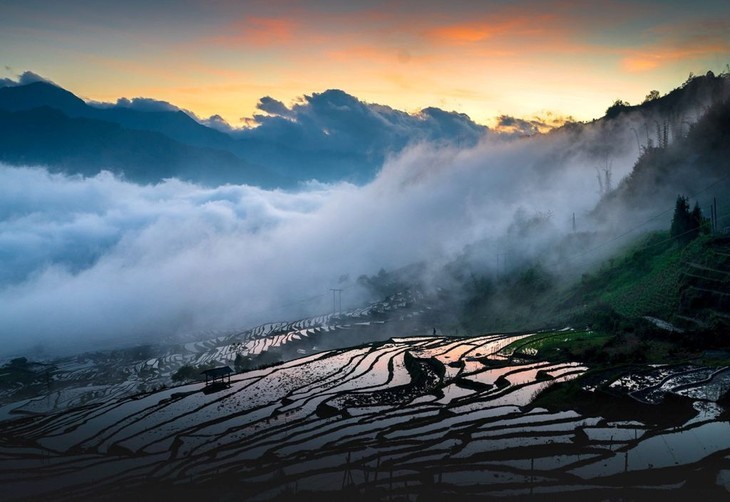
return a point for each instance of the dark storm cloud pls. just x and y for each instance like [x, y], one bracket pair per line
[517, 126]
[514, 125]
[273, 106]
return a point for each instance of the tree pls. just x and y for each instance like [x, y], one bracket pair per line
[186, 373]
[696, 221]
[605, 176]
[616, 108]
[689, 80]
[686, 225]
[680, 220]
[651, 96]
[242, 363]
[18, 363]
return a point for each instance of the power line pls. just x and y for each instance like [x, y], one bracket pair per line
[649, 220]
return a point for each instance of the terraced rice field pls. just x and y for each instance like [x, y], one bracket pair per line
[406, 417]
[98, 377]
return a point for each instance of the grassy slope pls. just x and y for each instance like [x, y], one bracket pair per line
[654, 278]
[660, 279]
[687, 286]
[642, 282]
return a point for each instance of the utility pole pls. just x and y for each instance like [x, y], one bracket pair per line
[713, 216]
[335, 291]
[573, 222]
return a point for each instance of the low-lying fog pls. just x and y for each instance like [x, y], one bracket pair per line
[88, 262]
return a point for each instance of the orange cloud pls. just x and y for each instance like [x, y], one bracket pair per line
[639, 64]
[363, 53]
[543, 122]
[660, 56]
[258, 32]
[507, 28]
[459, 34]
[680, 42]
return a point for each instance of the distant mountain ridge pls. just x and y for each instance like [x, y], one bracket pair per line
[176, 124]
[40, 94]
[47, 125]
[332, 136]
[329, 136]
[46, 136]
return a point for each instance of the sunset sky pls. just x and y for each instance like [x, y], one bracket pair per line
[483, 58]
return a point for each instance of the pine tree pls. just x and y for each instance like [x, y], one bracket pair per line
[680, 220]
[696, 222]
[686, 225]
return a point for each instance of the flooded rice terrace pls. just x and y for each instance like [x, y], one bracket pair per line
[402, 419]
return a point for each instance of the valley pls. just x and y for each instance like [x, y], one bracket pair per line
[165, 302]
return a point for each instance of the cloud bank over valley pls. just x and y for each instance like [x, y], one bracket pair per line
[91, 260]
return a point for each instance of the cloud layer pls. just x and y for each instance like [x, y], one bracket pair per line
[336, 121]
[90, 262]
[25, 78]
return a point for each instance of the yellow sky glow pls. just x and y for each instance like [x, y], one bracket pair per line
[557, 56]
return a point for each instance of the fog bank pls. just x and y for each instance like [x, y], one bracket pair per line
[88, 262]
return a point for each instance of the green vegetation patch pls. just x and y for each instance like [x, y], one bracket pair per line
[558, 345]
[190, 373]
[616, 340]
[644, 281]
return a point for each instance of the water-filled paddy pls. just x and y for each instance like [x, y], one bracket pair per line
[407, 424]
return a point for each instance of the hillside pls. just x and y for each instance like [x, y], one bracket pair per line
[655, 278]
[45, 136]
[626, 260]
[175, 124]
[696, 164]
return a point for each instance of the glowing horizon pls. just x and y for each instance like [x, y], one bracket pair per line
[485, 59]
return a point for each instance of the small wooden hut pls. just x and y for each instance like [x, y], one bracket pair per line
[217, 376]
